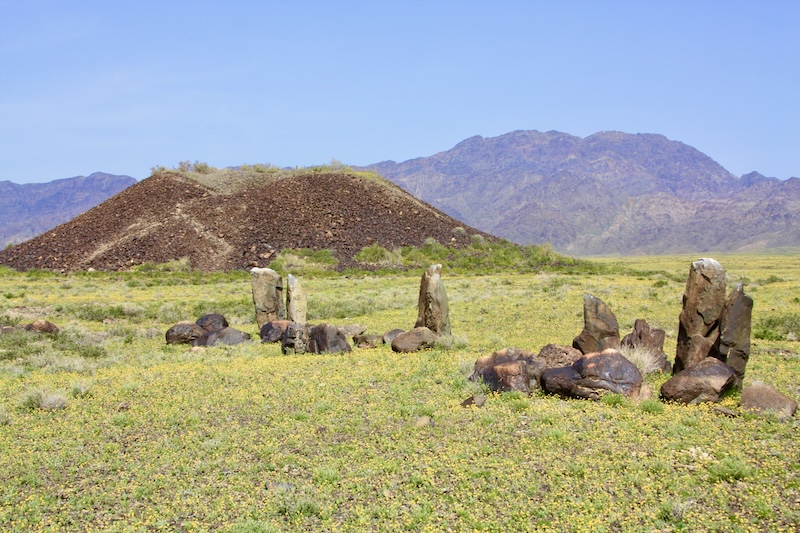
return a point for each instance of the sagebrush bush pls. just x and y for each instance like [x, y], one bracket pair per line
[42, 399]
[646, 360]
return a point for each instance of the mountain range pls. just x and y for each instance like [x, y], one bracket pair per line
[30, 209]
[609, 193]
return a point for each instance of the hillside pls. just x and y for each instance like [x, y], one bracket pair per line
[26, 210]
[231, 220]
[610, 192]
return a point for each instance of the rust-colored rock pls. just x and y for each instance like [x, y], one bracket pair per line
[414, 340]
[699, 323]
[600, 330]
[705, 381]
[509, 369]
[42, 326]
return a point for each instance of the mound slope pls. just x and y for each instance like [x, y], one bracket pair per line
[169, 216]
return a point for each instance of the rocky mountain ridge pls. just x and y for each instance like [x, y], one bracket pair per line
[609, 193]
[26, 210]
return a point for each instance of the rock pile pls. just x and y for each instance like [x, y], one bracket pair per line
[208, 330]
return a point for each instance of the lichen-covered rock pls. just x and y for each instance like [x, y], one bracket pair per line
[296, 302]
[600, 329]
[433, 308]
[295, 339]
[267, 287]
[705, 381]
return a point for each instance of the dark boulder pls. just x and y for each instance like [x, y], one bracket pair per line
[326, 338]
[734, 346]
[368, 341]
[557, 356]
[212, 322]
[705, 381]
[600, 329]
[414, 340]
[389, 336]
[593, 375]
[762, 398]
[273, 331]
[225, 335]
[42, 326]
[509, 369]
[185, 332]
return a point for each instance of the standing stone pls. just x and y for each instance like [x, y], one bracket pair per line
[703, 303]
[434, 312]
[267, 295]
[734, 346]
[296, 305]
[600, 329]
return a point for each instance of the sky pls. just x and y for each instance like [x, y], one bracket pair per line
[121, 86]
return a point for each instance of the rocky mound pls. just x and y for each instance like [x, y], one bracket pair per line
[219, 226]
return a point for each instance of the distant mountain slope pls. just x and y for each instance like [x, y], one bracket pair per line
[30, 209]
[611, 192]
[230, 221]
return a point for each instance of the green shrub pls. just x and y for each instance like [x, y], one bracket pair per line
[42, 399]
[729, 469]
[778, 328]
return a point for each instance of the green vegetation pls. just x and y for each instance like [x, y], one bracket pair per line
[105, 427]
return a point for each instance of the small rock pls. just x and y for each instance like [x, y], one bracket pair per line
[423, 421]
[478, 400]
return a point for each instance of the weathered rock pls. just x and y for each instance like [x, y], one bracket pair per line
[351, 330]
[389, 336]
[295, 339]
[600, 329]
[185, 332]
[296, 304]
[509, 369]
[434, 311]
[610, 371]
[7, 329]
[273, 331]
[650, 339]
[225, 335]
[734, 346]
[762, 398]
[42, 326]
[705, 381]
[212, 322]
[267, 286]
[557, 356]
[368, 341]
[699, 323]
[326, 338]
[593, 375]
[414, 340]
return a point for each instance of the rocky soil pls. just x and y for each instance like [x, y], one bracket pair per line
[170, 216]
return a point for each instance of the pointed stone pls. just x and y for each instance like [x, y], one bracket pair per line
[267, 295]
[434, 311]
[703, 303]
[600, 330]
[296, 304]
[734, 346]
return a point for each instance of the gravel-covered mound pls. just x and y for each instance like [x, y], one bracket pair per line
[169, 216]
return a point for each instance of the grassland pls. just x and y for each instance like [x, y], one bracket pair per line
[106, 428]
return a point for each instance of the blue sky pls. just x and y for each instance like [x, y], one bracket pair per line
[120, 86]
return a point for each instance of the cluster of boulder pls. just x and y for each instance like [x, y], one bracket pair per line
[208, 330]
[712, 352]
[287, 323]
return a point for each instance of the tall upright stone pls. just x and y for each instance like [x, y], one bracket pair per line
[434, 311]
[734, 346]
[296, 304]
[700, 319]
[600, 327]
[267, 295]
